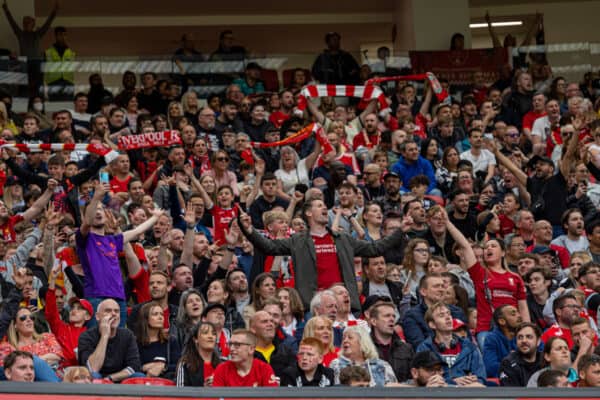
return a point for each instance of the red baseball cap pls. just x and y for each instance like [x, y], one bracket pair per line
[87, 306]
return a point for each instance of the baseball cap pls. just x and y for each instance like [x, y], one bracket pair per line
[426, 359]
[374, 299]
[457, 324]
[87, 306]
[391, 174]
[535, 159]
[211, 307]
[543, 250]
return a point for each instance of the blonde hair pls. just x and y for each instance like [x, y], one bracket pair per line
[311, 325]
[73, 372]
[271, 216]
[12, 334]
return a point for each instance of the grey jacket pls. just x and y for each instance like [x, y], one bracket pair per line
[301, 247]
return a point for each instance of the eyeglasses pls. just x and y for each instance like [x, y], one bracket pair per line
[238, 344]
[25, 317]
[222, 159]
[513, 135]
[573, 306]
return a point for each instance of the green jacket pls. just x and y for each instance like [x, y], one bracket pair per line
[301, 247]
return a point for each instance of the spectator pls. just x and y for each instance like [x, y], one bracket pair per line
[242, 369]
[431, 291]
[199, 358]
[227, 51]
[463, 363]
[321, 328]
[109, 351]
[390, 346]
[553, 378]
[358, 349]
[427, 370]
[269, 347]
[565, 309]
[77, 375]
[589, 371]
[412, 164]
[60, 80]
[251, 83]
[315, 213]
[309, 370]
[67, 334]
[375, 281]
[516, 368]
[18, 366]
[334, 65]
[158, 350]
[354, 376]
[501, 340]
[29, 40]
[557, 357]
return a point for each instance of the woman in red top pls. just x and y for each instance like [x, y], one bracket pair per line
[494, 284]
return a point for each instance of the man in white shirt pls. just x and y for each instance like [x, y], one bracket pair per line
[482, 159]
[543, 126]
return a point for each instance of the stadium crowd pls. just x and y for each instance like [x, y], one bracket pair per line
[441, 244]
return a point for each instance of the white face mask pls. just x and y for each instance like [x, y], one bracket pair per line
[38, 106]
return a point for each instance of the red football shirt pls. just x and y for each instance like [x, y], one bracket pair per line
[556, 330]
[328, 268]
[277, 118]
[119, 186]
[504, 288]
[8, 228]
[261, 374]
[221, 219]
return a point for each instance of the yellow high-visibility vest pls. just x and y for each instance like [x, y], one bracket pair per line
[58, 67]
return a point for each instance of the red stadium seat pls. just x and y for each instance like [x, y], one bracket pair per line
[271, 80]
[288, 74]
[148, 381]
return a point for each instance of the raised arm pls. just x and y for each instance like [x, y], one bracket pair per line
[532, 30]
[426, 100]
[502, 159]
[143, 227]
[568, 158]
[11, 20]
[370, 108]
[44, 28]
[40, 204]
[314, 110]
[90, 213]
[208, 203]
[277, 247]
[187, 255]
[493, 34]
[310, 160]
[468, 258]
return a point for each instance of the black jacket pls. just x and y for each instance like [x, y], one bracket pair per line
[514, 371]
[282, 357]
[293, 377]
[399, 355]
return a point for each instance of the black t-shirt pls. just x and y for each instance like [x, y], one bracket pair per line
[121, 351]
[554, 192]
[468, 225]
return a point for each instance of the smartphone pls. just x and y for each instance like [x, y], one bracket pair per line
[103, 177]
[488, 136]
[33, 302]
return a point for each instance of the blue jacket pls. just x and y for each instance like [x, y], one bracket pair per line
[414, 325]
[407, 171]
[469, 361]
[495, 348]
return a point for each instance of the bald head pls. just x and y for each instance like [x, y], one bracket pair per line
[110, 311]
[263, 326]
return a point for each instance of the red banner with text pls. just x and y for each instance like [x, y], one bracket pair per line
[458, 66]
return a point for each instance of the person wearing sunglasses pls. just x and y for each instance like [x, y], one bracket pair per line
[22, 336]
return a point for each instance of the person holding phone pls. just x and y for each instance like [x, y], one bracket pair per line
[98, 252]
